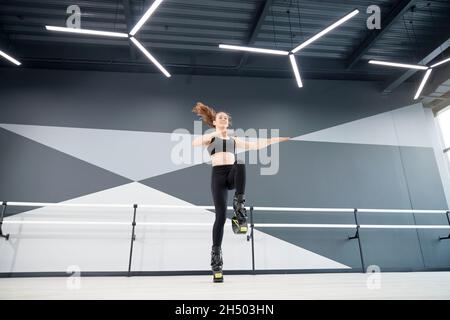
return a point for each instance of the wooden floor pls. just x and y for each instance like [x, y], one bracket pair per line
[417, 285]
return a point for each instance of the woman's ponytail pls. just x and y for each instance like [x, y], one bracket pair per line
[208, 114]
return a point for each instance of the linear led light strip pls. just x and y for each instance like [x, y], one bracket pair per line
[9, 58]
[87, 31]
[326, 30]
[410, 66]
[413, 66]
[296, 71]
[296, 49]
[136, 28]
[256, 50]
[422, 84]
[150, 57]
[112, 34]
[301, 46]
[145, 17]
[440, 62]
[399, 65]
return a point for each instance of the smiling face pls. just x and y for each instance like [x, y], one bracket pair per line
[222, 120]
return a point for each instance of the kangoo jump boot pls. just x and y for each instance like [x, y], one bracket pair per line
[239, 219]
[216, 264]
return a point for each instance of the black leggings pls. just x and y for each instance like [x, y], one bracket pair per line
[224, 178]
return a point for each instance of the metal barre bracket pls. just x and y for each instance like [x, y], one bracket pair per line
[250, 237]
[448, 219]
[133, 238]
[356, 236]
[6, 236]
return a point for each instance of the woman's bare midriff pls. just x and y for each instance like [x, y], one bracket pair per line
[222, 158]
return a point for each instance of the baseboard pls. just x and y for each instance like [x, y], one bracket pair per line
[204, 272]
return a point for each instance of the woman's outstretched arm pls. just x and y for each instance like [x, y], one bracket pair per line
[205, 139]
[259, 143]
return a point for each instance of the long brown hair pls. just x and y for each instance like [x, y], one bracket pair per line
[208, 114]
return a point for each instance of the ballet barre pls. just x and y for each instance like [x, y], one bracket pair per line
[356, 226]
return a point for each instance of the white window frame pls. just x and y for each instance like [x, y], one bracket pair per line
[446, 149]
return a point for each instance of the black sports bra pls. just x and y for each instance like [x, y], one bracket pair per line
[222, 145]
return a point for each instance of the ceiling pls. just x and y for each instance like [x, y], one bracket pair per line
[184, 36]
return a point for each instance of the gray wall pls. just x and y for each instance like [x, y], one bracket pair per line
[312, 173]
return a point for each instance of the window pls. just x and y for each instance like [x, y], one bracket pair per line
[444, 124]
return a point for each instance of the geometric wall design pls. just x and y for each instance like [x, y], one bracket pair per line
[386, 128]
[386, 160]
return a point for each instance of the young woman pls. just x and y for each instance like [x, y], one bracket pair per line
[227, 174]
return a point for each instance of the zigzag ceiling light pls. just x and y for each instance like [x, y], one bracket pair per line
[291, 53]
[131, 35]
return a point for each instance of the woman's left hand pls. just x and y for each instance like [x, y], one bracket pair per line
[278, 140]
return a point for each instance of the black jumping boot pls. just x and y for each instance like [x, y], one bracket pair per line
[216, 264]
[239, 219]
